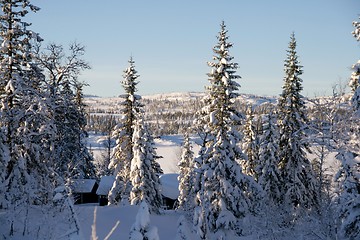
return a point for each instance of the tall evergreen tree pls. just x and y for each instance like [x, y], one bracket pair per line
[86, 164]
[123, 134]
[348, 175]
[144, 173]
[226, 193]
[269, 174]
[25, 118]
[355, 76]
[299, 183]
[186, 176]
[356, 32]
[250, 145]
[349, 191]
[75, 161]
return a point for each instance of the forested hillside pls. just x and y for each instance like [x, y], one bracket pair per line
[168, 113]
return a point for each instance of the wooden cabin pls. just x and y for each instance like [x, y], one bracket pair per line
[169, 187]
[84, 190]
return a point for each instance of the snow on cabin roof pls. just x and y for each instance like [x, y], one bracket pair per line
[106, 183]
[82, 185]
[170, 185]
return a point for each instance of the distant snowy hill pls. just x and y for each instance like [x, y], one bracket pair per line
[180, 101]
[182, 96]
[110, 104]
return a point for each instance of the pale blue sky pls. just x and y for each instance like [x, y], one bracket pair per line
[171, 41]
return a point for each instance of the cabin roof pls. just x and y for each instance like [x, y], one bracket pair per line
[106, 183]
[83, 185]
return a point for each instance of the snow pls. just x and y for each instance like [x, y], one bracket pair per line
[222, 47]
[170, 149]
[107, 216]
[142, 217]
[213, 118]
[170, 185]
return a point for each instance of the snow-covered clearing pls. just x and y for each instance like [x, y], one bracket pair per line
[168, 147]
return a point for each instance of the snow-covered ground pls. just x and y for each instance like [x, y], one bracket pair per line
[107, 217]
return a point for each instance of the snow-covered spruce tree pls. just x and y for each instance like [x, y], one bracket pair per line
[250, 145]
[355, 76]
[226, 193]
[269, 175]
[141, 229]
[25, 118]
[74, 159]
[86, 161]
[348, 175]
[356, 32]
[144, 174]
[123, 134]
[186, 177]
[349, 193]
[299, 183]
[355, 86]
[199, 221]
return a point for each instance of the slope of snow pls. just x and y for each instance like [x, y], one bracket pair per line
[107, 216]
[169, 148]
[112, 104]
[185, 96]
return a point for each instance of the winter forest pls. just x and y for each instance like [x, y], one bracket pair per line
[245, 167]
